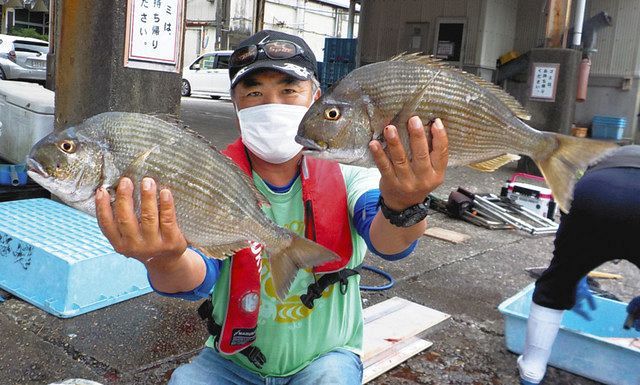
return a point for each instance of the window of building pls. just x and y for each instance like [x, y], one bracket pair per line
[27, 19]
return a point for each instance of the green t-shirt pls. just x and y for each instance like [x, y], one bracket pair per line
[289, 334]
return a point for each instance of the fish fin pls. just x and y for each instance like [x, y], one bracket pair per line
[567, 162]
[176, 121]
[431, 61]
[493, 164]
[409, 108]
[169, 118]
[222, 251]
[137, 165]
[262, 200]
[301, 253]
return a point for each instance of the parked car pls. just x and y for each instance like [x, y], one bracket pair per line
[208, 74]
[23, 58]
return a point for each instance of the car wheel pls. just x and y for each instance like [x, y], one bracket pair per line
[2, 75]
[214, 97]
[185, 90]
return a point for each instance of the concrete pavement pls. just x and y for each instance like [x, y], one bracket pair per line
[142, 340]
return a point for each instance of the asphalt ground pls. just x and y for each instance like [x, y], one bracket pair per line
[142, 340]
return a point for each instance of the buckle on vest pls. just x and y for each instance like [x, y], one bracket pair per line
[314, 291]
[254, 355]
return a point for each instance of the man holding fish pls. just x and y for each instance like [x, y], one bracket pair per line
[313, 335]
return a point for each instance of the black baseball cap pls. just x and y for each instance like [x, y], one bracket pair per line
[250, 56]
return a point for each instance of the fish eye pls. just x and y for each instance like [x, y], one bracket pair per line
[332, 113]
[67, 146]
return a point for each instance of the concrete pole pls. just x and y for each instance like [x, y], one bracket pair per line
[352, 13]
[90, 76]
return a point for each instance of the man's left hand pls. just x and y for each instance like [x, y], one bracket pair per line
[406, 182]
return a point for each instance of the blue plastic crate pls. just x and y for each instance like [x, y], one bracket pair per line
[340, 50]
[13, 174]
[610, 120]
[56, 258]
[602, 131]
[581, 346]
[336, 71]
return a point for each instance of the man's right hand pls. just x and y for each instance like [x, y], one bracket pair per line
[155, 238]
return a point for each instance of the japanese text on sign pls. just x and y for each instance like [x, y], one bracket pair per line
[544, 81]
[154, 31]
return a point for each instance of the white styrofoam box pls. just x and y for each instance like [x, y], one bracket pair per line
[26, 116]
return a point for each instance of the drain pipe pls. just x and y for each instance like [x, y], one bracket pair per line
[591, 28]
[585, 63]
[578, 20]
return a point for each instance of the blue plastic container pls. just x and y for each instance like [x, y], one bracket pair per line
[608, 127]
[581, 346]
[56, 258]
[340, 50]
[13, 174]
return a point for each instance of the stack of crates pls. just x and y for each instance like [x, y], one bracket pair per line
[608, 127]
[339, 60]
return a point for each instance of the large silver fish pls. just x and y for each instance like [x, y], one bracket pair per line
[217, 206]
[484, 124]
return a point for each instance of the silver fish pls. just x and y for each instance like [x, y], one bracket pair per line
[484, 124]
[217, 206]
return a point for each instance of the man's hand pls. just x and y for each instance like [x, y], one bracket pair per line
[584, 294]
[405, 182]
[155, 236]
[633, 319]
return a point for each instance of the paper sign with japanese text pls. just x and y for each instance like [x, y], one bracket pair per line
[544, 81]
[154, 34]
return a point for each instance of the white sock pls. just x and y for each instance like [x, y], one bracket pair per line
[542, 329]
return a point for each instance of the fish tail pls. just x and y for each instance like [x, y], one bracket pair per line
[563, 166]
[301, 253]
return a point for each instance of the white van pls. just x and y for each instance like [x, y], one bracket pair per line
[208, 74]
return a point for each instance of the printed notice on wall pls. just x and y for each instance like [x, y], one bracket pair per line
[544, 81]
[154, 34]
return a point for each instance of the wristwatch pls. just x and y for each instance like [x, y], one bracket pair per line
[407, 217]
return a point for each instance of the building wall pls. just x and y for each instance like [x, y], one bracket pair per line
[311, 20]
[530, 25]
[201, 10]
[498, 31]
[384, 36]
[200, 32]
[618, 46]
[489, 28]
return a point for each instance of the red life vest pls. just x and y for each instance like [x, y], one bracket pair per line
[326, 215]
[325, 204]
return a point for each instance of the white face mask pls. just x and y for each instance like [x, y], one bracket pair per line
[269, 130]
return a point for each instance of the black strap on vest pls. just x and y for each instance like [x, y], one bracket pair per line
[253, 353]
[314, 291]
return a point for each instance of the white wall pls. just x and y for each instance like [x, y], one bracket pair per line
[498, 32]
[201, 10]
[310, 20]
